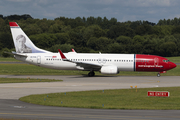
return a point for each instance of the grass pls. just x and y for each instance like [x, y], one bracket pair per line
[8, 59]
[25, 80]
[26, 69]
[110, 99]
[174, 59]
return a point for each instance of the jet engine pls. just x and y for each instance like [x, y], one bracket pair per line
[109, 70]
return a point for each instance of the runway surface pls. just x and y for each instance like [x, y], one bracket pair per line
[11, 107]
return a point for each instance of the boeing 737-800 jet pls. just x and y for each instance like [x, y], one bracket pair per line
[26, 51]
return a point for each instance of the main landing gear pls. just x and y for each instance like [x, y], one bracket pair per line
[158, 75]
[91, 73]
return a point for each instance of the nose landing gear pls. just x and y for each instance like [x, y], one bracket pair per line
[158, 75]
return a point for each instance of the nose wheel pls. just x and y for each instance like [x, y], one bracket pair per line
[158, 75]
[91, 73]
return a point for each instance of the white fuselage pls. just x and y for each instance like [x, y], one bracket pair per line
[124, 62]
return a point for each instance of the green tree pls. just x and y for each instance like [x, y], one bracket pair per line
[63, 47]
[143, 29]
[32, 29]
[43, 40]
[62, 38]
[4, 54]
[170, 38]
[138, 42]
[6, 40]
[124, 40]
[115, 48]
[168, 49]
[92, 31]
[55, 28]
[92, 43]
[138, 39]
[176, 30]
[98, 44]
[102, 42]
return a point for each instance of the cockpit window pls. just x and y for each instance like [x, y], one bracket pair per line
[165, 60]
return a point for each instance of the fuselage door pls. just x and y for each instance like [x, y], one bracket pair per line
[156, 61]
[38, 59]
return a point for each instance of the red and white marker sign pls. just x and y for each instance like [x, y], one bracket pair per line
[158, 93]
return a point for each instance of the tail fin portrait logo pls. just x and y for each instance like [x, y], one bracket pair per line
[21, 46]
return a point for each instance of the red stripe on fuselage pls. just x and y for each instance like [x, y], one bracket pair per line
[151, 63]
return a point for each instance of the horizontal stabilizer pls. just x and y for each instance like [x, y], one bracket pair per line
[14, 53]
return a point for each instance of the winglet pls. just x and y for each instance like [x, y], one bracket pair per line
[73, 50]
[62, 55]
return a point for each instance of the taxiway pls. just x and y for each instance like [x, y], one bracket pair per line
[11, 107]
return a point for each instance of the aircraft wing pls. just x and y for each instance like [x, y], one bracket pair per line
[81, 65]
[87, 66]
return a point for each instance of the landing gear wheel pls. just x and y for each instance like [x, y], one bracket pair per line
[158, 75]
[90, 74]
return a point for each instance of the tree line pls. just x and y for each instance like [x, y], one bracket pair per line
[96, 35]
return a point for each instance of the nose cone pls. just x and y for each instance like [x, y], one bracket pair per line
[173, 65]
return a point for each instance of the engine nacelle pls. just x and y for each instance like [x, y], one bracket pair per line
[109, 70]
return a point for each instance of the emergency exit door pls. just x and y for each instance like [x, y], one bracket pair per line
[38, 59]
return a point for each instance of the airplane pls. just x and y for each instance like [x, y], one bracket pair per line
[27, 52]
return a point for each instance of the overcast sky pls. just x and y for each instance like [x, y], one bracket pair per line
[122, 10]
